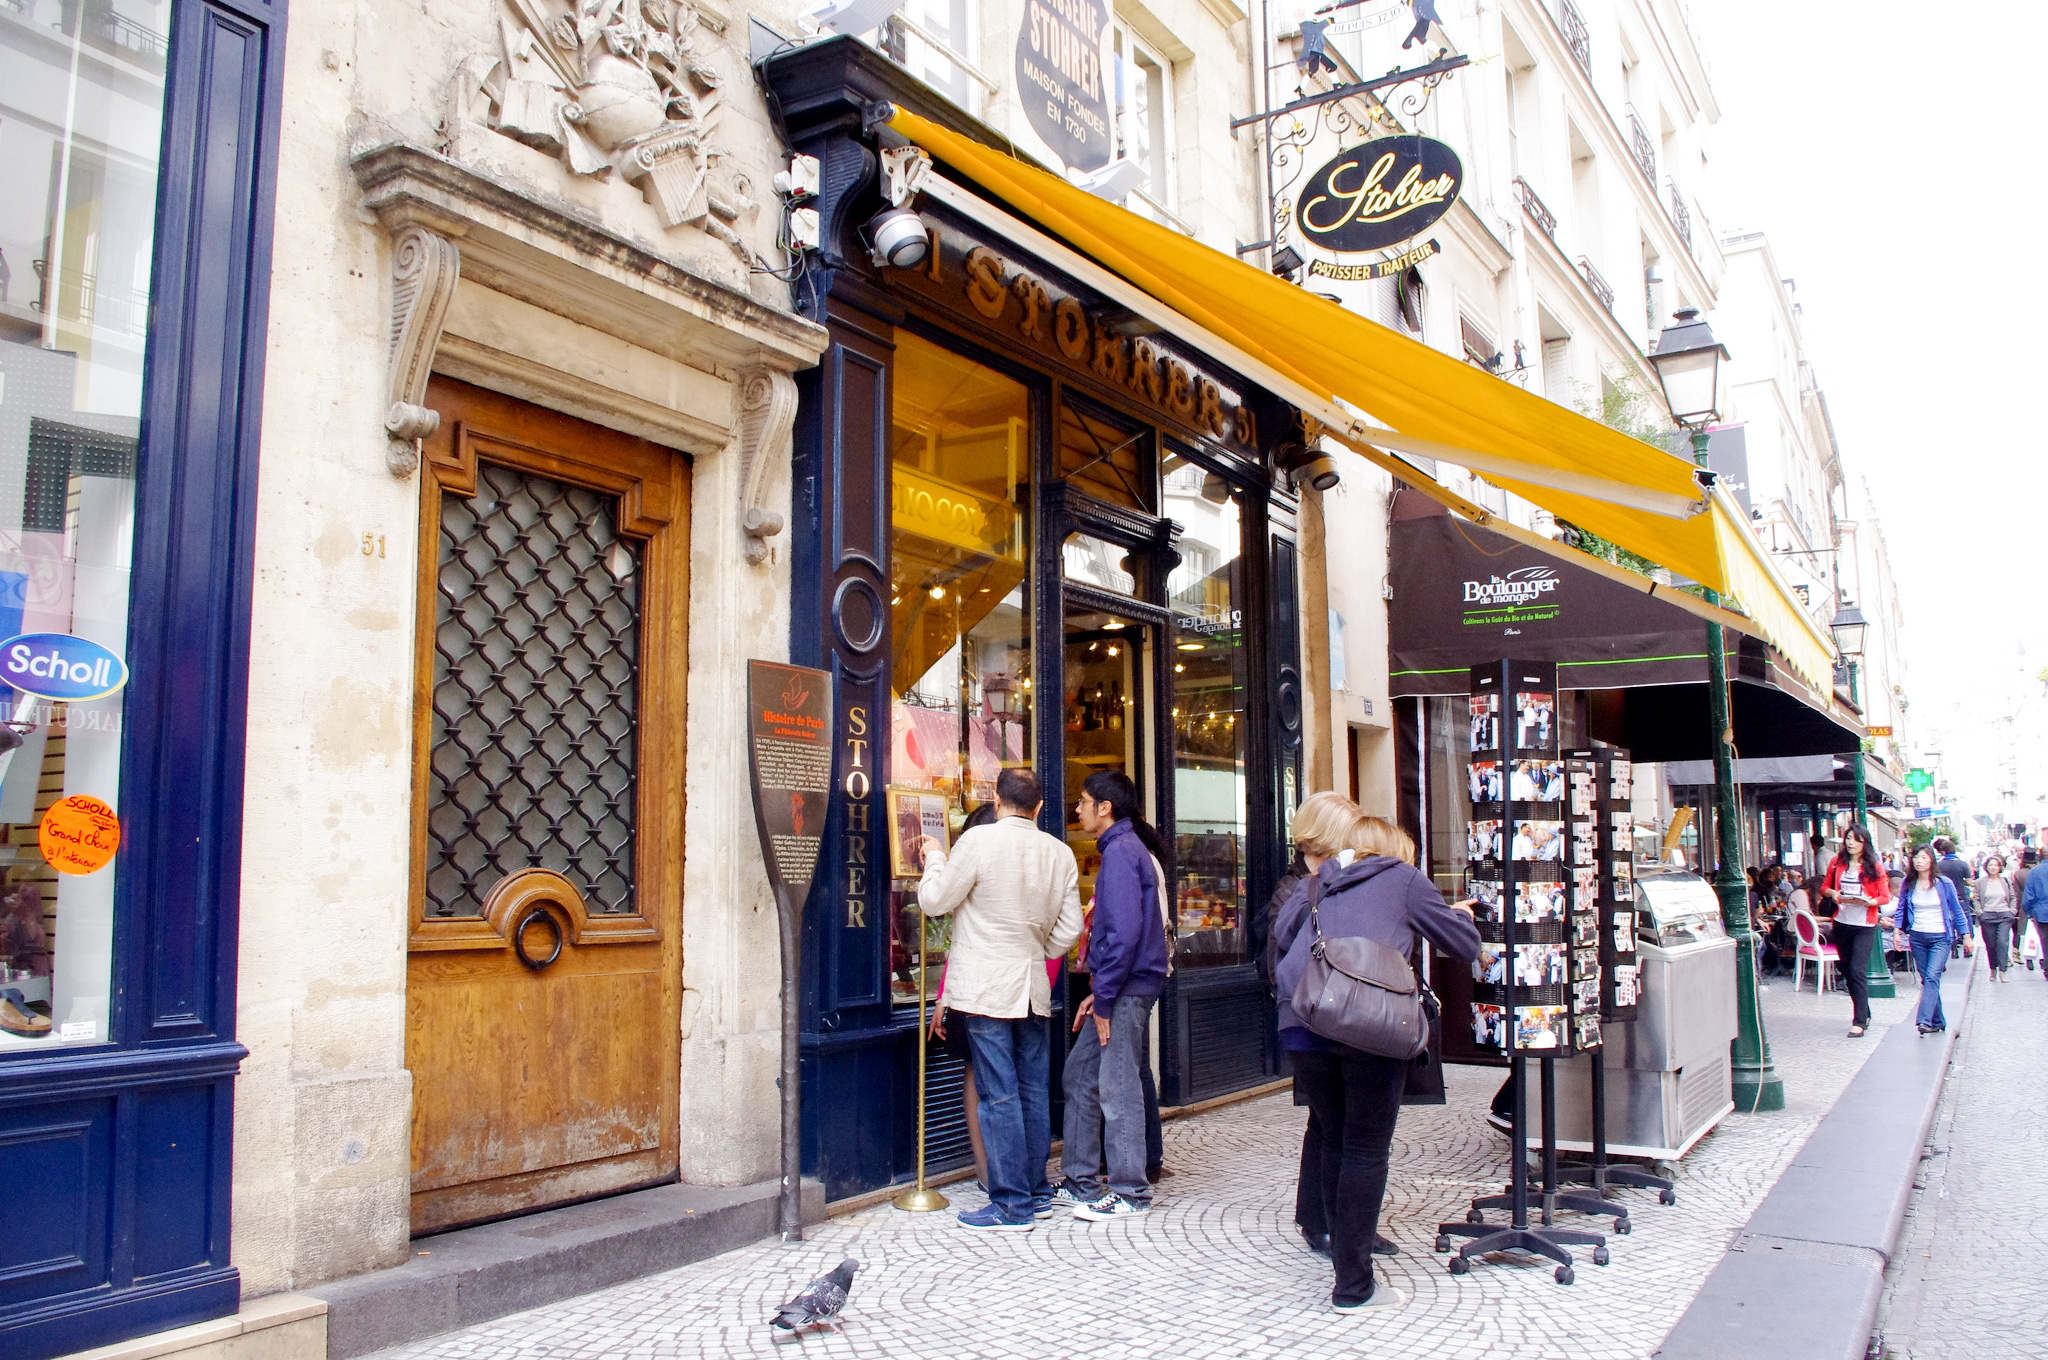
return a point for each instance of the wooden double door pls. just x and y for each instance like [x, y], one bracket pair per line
[543, 981]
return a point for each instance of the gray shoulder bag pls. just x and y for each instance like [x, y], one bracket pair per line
[1359, 992]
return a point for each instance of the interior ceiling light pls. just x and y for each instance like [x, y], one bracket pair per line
[938, 592]
[1191, 646]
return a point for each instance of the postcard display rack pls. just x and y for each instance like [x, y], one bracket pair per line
[1537, 983]
[1600, 822]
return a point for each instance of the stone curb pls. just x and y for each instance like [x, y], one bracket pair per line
[1802, 1280]
[458, 1279]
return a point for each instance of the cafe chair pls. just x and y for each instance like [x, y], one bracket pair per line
[1824, 956]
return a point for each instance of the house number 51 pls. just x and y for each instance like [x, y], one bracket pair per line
[373, 544]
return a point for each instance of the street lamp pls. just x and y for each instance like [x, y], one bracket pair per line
[1688, 358]
[1848, 627]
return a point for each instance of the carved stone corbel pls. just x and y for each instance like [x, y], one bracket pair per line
[767, 409]
[424, 269]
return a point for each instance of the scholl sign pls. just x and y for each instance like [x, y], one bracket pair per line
[59, 666]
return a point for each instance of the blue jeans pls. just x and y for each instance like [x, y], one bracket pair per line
[1930, 960]
[1106, 1103]
[1012, 1076]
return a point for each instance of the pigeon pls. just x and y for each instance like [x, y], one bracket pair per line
[819, 1303]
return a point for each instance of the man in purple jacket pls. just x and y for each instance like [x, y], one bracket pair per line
[1127, 959]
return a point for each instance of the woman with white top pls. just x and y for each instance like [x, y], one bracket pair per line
[1997, 907]
[1859, 889]
[1932, 916]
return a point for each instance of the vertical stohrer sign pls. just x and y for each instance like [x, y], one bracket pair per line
[789, 748]
[1060, 79]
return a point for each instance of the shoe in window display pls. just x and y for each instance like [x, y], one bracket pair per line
[17, 1018]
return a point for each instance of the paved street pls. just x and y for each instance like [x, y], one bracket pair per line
[1217, 1269]
[1962, 1282]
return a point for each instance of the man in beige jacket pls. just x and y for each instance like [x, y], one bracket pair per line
[1014, 893]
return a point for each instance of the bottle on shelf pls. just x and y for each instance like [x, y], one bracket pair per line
[1116, 704]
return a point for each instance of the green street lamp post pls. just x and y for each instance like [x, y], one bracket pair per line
[1848, 627]
[1687, 358]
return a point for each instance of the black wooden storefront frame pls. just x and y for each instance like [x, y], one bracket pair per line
[859, 1049]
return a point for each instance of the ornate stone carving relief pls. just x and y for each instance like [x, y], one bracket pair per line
[623, 86]
[767, 402]
[424, 271]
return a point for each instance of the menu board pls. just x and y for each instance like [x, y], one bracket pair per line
[1537, 948]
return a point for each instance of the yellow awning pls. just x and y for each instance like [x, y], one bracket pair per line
[1356, 376]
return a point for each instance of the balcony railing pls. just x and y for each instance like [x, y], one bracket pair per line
[1643, 149]
[1533, 206]
[1681, 218]
[1573, 25]
[1602, 289]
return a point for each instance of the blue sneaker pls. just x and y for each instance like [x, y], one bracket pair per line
[989, 1218]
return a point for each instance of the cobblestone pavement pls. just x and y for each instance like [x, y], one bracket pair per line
[1963, 1281]
[1217, 1269]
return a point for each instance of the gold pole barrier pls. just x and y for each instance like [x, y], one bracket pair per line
[919, 1198]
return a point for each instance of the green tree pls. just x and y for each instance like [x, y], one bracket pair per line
[1627, 406]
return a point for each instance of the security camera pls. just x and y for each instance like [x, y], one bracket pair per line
[897, 239]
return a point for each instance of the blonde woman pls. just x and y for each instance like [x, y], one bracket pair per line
[1322, 830]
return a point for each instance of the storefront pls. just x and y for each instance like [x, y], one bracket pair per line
[1028, 530]
[1631, 674]
[138, 145]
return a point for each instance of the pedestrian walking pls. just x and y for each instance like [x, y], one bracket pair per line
[1956, 870]
[1014, 893]
[1128, 962]
[1932, 917]
[2034, 907]
[1356, 1096]
[1997, 910]
[1857, 888]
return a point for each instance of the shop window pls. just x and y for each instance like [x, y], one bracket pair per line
[1144, 114]
[534, 743]
[1105, 457]
[960, 488]
[1091, 561]
[1447, 761]
[1209, 667]
[81, 91]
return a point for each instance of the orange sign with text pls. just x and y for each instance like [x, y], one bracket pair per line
[79, 835]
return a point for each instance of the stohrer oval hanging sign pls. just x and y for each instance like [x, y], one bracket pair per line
[60, 666]
[1379, 193]
[1060, 80]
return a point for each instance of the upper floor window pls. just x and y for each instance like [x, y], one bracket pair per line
[1143, 109]
[931, 39]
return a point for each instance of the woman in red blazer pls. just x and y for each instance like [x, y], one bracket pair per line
[1861, 890]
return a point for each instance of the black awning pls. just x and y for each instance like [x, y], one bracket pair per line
[1464, 596]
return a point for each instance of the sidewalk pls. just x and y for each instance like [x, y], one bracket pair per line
[1960, 1281]
[1217, 1268]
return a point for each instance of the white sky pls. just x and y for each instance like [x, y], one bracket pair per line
[1896, 156]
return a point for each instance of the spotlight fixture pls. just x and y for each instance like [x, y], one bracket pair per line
[1285, 261]
[897, 239]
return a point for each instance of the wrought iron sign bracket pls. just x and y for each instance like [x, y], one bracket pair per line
[1433, 69]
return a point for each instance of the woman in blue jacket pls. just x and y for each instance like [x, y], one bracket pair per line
[1933, 918]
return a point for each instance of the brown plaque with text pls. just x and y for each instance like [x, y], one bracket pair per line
[789, 718]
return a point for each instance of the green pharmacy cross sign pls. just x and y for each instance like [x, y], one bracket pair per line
[1918, 780]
